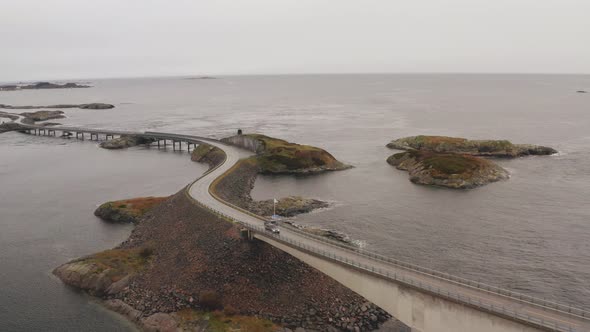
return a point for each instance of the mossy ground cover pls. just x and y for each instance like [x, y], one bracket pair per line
[443, 165]
[136, 207]
[208, 153]
[455, 144]
[122, 262]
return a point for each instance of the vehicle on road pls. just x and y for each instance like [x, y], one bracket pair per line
[272, 226]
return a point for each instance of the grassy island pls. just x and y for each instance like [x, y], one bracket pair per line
[277, 156]
[447, 169]
[489, 148]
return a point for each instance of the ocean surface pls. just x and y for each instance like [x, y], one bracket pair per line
[530, 233]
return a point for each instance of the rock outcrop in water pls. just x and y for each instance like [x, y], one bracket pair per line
[277, 156]
[447, 169]
[43, 115]
[94, 106]
[42, 86]
[205, 153]
[125, 141]
[487, 148]
[127, 210]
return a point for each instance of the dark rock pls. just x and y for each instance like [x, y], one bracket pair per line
[125, 141]
[96, 106]
[43, 115]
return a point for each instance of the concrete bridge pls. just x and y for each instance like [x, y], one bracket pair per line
[423, 299]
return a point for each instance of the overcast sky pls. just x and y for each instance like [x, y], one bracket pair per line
[121, 38]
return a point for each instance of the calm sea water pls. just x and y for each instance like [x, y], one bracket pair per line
[530, 233]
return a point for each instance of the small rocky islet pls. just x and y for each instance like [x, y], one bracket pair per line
[455, 162]
[42, 86]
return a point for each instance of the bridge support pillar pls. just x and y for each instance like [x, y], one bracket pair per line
[246, 234]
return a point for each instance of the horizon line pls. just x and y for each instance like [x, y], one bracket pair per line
[211, 75]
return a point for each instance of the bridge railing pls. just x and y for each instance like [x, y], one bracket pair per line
[446, 276]
[554, 325]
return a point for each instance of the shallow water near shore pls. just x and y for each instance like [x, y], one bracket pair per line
[528, 234]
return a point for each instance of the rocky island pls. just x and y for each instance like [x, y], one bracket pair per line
[455, 162]
[42, 85]
[32, 117]
[273, 156]
[125, 141]
[487, 148]
[447, 169]
[93, 106]
[277, 156]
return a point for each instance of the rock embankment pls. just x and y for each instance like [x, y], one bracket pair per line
[447, 170]
[487, 148]
[127, 210]
[277, 156]
[94, 106]
[125, 141]
[205, 153]
[196, 261]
